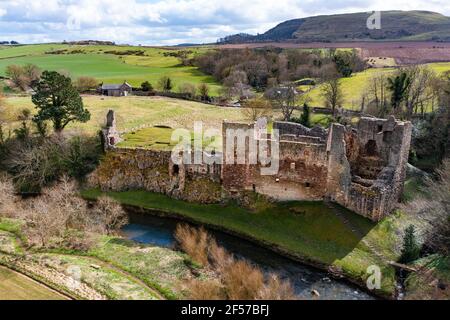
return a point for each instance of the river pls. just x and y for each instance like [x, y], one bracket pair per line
[158, 231]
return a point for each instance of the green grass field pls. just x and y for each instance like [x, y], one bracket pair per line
[94, 61]
[14, 286]
[354, 86]
[135, 112]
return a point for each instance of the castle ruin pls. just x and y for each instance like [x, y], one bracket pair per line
[361, 168]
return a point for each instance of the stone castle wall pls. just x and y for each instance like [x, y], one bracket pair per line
[125, 169]
[362, 168]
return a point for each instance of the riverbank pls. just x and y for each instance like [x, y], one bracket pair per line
[298, 230]
[112, 269]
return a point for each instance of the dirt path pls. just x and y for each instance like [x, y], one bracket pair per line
[126, 274]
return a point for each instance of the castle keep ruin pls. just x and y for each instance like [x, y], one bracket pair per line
[362, 168]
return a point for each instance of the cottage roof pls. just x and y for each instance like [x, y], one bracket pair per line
[115, 86]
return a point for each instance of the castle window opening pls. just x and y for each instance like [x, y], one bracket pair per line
[308, 185]
[371, 148]
[292, 165]
[380, 128]
[112, 141]
[176, 169]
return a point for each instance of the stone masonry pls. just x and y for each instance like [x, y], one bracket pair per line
[361, 168]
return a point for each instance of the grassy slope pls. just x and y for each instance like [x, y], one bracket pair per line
[422, 285]
[120, 260]
[134, 112]
[354, 87]
[109, 68]
[300, 228]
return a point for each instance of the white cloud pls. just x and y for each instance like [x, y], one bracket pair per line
[170, 21]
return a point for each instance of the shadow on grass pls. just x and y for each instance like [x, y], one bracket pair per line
[308, 230]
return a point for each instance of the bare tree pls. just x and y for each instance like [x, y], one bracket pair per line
[257, 108]
[378, 94]
[22, 77]
[285, 98]
[332, 94]
[84, 84]
[419, 93]
[433, 212]
[109, 215]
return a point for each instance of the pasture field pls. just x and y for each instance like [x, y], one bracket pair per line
[354, 87]
[135, 112]
[14, 286]
[110, 64]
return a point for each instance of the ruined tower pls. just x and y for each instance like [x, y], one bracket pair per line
[110, 134]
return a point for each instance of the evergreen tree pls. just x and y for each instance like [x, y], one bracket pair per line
[399, 86]
[58, 100]
[411, 248]
[305, 117]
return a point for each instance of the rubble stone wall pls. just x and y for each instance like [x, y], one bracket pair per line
[361, 168]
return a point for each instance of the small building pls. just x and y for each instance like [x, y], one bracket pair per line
[116, 90]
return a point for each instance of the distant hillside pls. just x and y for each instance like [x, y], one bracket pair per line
[395, 25]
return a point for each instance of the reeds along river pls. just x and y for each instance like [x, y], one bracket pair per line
[305, 280]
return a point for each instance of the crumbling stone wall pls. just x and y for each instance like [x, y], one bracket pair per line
[367, 166]
[152, 170]
[361, 168]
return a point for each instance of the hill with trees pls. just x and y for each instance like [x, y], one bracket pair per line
[395, 25]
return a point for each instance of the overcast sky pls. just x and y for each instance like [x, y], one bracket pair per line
[167, 22]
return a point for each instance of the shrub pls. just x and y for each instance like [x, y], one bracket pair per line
[188, 89]
[194, 242]
[38, 161]
[146, 86]
[84, 84]
[60, 218]
[7, 196]
[165, 84]
[109, 215]
[235, 279]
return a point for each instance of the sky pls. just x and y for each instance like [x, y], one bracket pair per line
[170, 22]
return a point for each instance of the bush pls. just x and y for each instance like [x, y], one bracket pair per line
[146, 86]
[84, 84]
[194, 242]
[109, 215]
[235, 279]
[188, 89]
[60, 218]
[165, 84]
[38, 161]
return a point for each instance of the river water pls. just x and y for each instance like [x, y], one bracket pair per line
[159, 232]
